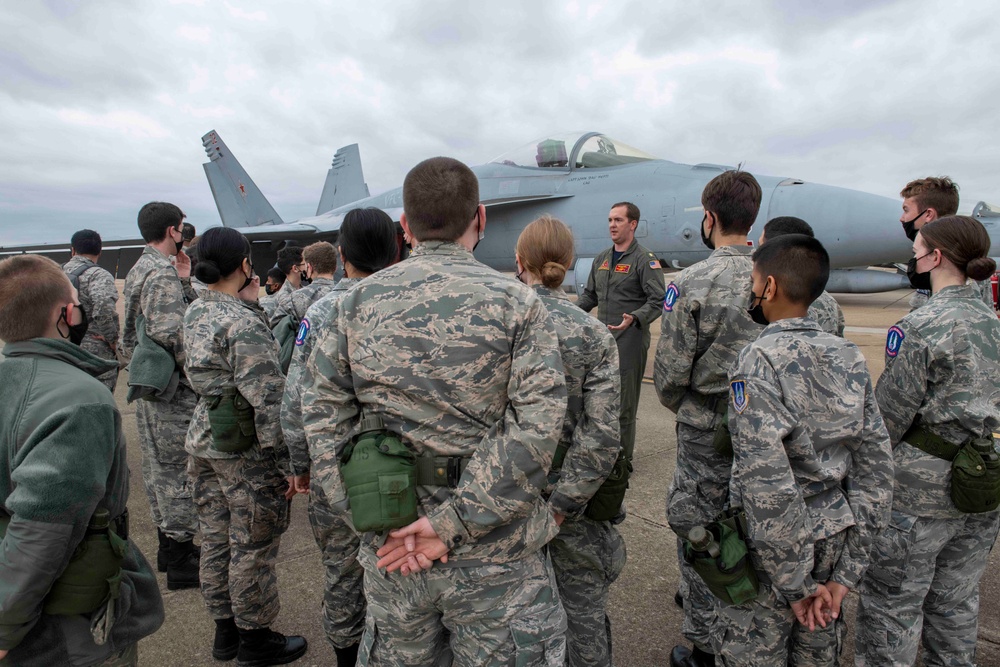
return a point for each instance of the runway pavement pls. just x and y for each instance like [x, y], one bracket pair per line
[645, 621]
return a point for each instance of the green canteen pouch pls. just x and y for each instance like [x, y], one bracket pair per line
[231, 419]
[975, 477]
[607, 502]
[722, 441]
[380, 475]
[731, 576]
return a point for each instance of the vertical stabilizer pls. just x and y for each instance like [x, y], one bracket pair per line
[345, 182]
[239, 201]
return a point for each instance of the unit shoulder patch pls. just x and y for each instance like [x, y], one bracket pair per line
[738, 392]
[894, 341]
[670, 297]
[300, 337]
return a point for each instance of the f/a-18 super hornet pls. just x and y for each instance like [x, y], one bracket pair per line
[576, 178]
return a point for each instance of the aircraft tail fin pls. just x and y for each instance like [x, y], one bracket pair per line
[240, 202]
[345, 182]
[989, 215]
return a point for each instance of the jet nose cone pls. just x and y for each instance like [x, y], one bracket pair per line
[857, 228]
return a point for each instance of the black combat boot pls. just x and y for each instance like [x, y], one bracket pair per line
[682, 656]
[227, 639]
[161, 553]
[347, 657]
[182, 565]
[260, 648]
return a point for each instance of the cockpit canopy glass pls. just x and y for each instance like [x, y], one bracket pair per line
[584, 150]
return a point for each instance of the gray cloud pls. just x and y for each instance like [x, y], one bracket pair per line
[102, 104]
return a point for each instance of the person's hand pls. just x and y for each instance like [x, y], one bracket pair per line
[183, 264]
[301, 483]
[252, 291]
[826, 613]
[3, 653]
[412, 548]
[627, 321]
[290, 491]
[804, 608]
[559, 518]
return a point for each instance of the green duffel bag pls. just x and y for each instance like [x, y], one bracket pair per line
[725, 567]
[975, 477]
[230, 417]
[380, 475]
[607, 502]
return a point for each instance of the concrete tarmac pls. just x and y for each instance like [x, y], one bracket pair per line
[645, 621]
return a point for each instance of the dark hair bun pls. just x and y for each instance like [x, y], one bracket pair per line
[980, 268]
[553, 274]
[207, 271]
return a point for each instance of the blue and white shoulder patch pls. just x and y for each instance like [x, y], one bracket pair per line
[894, 340]
[300, 337]
[670, 297]
[738, 391]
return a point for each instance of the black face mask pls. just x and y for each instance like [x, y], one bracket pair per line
[706, 239]
[76, 331]
[519, 274]
[756, 312]
[918, 280]
[246, 283]
[909, 226]
[270, 289]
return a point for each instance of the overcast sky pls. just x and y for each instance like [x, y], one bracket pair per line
[103, 104]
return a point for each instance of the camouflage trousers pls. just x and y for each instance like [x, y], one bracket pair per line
[488, 615]
[698, 493]
[632, 351]
[162, 431]
[587, 557]
[764, 632]
[243, 512]
[924, 580]
[344, 595]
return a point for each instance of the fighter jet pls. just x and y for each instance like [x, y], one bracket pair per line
[577, 177]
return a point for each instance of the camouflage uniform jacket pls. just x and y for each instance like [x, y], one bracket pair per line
[812, 456]
[634, 285]
[942, 362]
[153, 289]
[705, 325]
[458, 360]
[593, 386]
[282, 302]
[298, 377]
[306, 296]
[828, 314]
[268, 303]
[229, 345]
[98, 296]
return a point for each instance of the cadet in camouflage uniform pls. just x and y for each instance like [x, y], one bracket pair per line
[705, 325]
[242, 496]
[290, 263]
[926, 200]
[320, 260]
[940, 380]
[626, 285]
[587, 555]
[160, 291]
[825, 309]
[367, 244]
[275, 281]
[812, 467]
[462, 364]
[98, 296]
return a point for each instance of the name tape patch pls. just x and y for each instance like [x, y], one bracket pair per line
[300, 337]
[738, 391]
[670, 297]
[894, 340]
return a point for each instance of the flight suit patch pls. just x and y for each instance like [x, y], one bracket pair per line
[670, 297]
[894, 341]
[654, 264]
[622, 268]
[603, 267]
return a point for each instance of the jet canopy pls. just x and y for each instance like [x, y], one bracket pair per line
[590, 150]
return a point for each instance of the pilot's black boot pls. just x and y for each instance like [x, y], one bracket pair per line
[161, 552]
[347, 657]
[260, 648]
[682, 656]
[182, 565]
[227, 639]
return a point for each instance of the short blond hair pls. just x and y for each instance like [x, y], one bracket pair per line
[31, 286]
[545, 249]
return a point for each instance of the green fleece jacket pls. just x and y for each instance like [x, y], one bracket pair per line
[62, 454]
